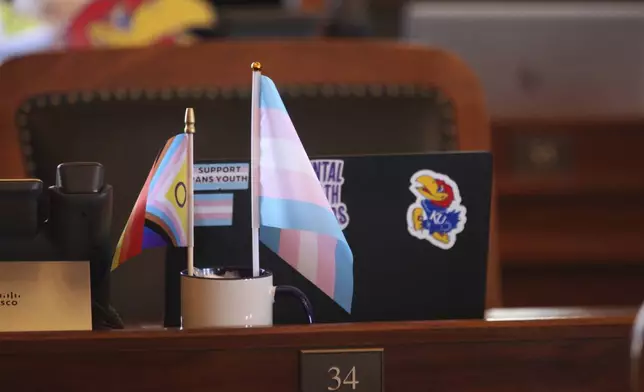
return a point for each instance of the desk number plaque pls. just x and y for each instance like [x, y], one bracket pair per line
[342, 370]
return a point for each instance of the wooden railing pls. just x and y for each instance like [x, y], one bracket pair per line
[519, 350]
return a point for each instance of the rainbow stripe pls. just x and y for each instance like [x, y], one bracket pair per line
[297, 222]
[160, 214]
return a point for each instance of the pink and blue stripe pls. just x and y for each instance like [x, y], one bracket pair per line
[297, 222]
[213, 209]
[171, 156]
[157, 205]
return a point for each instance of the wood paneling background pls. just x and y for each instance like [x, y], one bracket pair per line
[571, 210]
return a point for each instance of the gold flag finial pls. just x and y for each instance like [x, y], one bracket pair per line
[190, 121]
[256, 66]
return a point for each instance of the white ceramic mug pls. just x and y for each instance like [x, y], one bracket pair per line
[210, 298]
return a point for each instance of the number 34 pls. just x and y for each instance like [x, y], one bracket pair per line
[350, 378]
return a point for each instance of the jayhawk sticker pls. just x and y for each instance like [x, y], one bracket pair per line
[437, 215]
[124, 23]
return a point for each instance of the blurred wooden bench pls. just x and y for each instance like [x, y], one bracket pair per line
[571, 210]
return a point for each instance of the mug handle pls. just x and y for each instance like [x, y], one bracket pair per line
[297, 293]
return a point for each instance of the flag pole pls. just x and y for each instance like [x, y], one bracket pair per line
[190, 130]
[254, 163]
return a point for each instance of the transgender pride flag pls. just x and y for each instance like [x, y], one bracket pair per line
[296, 220]
[213, 209]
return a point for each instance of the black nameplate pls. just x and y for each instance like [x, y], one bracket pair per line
[341, 370]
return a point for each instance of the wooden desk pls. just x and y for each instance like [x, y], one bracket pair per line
[587, 351]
